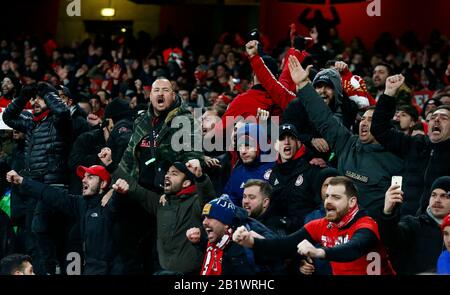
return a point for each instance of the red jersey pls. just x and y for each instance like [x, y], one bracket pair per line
[329, 235]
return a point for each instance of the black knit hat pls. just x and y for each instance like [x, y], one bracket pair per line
[443, 183]
[118, 109]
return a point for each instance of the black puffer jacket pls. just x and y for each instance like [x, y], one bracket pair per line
[47, 142]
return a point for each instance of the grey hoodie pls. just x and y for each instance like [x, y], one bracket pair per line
[327, 76]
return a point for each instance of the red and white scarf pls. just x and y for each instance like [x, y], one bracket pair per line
[348, 217]
[212, 264]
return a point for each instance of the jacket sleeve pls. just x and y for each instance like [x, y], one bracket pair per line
[12, 118]
[381, 128]
[59, 110]
[362, 241]
[205, 191]
[146, 198]
[56, 198]
[323, 119]
[283, 247]
[395, 232]
[279, 91]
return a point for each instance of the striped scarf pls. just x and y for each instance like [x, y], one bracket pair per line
[212, 264]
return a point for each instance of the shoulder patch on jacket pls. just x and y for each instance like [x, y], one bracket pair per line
[357, 176]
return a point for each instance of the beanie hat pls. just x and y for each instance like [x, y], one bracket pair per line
[117, 109]
[182, 167]
[445, 222]
[221, 209]
[442, 182]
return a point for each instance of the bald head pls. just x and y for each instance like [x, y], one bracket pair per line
[162, 96]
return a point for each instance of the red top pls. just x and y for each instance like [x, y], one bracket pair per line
[329, 235]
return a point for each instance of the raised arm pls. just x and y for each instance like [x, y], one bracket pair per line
[319, 113]
[393, 140]
[55, 104]
[11, 115]
[282, 91]
[56, 198]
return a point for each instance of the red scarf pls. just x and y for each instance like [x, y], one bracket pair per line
[348, 217]
[41, 116]
[212, 264]
[187, 191]
[301, 151]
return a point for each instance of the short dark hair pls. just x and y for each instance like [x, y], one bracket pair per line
[12, 263]
[350, 188]
[264, 187]
[410, 110]
[389, 68]
[442, 107]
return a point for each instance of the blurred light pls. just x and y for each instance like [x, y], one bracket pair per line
[123, 30]
[108, 12]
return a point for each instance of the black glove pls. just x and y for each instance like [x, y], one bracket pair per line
[43, 88]
[28, 92]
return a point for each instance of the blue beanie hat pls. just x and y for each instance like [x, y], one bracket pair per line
[221, 209]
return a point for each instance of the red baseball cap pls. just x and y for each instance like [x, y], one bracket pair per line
[97, 170]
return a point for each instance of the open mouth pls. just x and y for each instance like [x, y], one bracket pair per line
[436, 129]
[167, 183]
[287, 150]
[160, 100]
[364, 130]
[330, 209]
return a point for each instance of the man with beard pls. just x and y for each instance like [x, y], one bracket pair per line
[47, 146]
[10, 89]
[349, 237]
[426, 157]
[146, 159]
[186, 190]
[379, 76]
[415, 242]
[257, 202]
[359, 157]
[223, 256]
[96, 219]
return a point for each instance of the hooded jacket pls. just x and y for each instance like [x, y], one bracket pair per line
[344, 109]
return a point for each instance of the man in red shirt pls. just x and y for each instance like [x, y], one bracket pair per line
[349, 237]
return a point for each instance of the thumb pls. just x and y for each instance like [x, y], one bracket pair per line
[308, 68]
